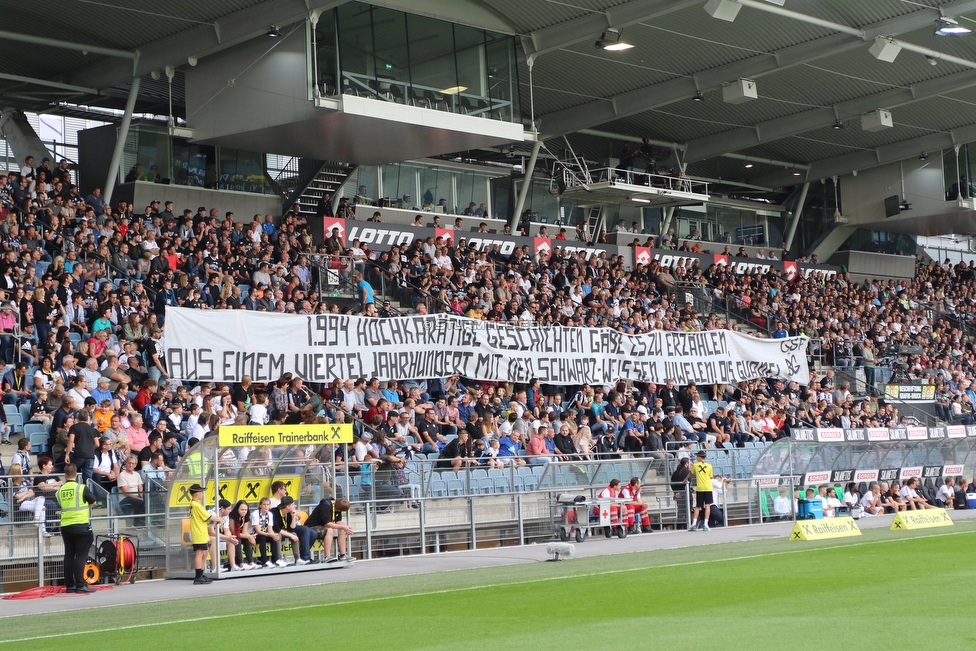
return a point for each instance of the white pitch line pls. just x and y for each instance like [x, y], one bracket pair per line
[426, 593]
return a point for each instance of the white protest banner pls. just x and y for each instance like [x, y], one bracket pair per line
[223, 345]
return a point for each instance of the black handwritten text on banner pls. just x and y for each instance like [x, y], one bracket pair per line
[223, 345]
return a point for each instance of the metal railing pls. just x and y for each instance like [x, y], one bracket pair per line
[31, 552]
[615, 176]
[402, 92]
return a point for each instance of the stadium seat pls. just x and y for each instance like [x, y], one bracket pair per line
[35, 428]
[485, 486]
[15, 421]
[355, 492]
[455, 487]
[38, 442]
[438, 488]
[25, 412]
[502, 485]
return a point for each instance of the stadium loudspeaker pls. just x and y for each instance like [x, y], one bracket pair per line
[921, 520]
[557, 550]
[821, 529]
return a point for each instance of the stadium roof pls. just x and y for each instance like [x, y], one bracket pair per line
[810, 61]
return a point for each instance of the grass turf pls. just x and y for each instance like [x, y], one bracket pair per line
[882, 590]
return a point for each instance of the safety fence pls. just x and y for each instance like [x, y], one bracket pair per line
[408, 523]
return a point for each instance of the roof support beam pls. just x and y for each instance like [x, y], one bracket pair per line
[821, 118]
[49, 84]
[863, 160]
[66, 45]
[577, 30]
[679, 147]
[202, 40]
[636, 101]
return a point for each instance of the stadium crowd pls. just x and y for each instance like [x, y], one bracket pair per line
[84, 286]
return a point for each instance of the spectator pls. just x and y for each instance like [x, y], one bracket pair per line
[262, 524]
[871, 503]
[912, 499]
[287, 526]
[131, 495]
[783, 506]
[946, 494]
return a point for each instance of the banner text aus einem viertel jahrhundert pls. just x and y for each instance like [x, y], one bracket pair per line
[223, 346]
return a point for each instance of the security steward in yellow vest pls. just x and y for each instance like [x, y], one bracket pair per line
[75, 500]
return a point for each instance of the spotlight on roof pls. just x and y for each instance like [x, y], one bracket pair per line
[949, 27]
[885, 49]
[876, 120]
[698, 97]
[932, 60]
[610, 41]
[723, 9]
[273, 32]
[748, 166]
[923, 156]
[838, 125]
[739, 91]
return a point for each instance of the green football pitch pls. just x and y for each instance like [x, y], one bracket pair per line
[883, 590]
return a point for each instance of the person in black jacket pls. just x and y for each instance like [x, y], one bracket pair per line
[565, 447]
[455, 453]
[959, 500]
[669, 395]
[606, 447]
[679, 482]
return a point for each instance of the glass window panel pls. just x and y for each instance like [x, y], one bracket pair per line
[436, 186]
[146, 155]
[193, 165]
[501, 196]
[355, 47]
[472, 193]
[967, 167]
[502, 78]
[242, 171]
[472, 73]
[364, 181]
[391, 59]
[432, 65]
[325, 34]
[949, 174]
[544, 206]
[398, 185]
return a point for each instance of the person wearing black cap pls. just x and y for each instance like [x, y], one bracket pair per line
[702, 472]
[387, 310]
[200, 520]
